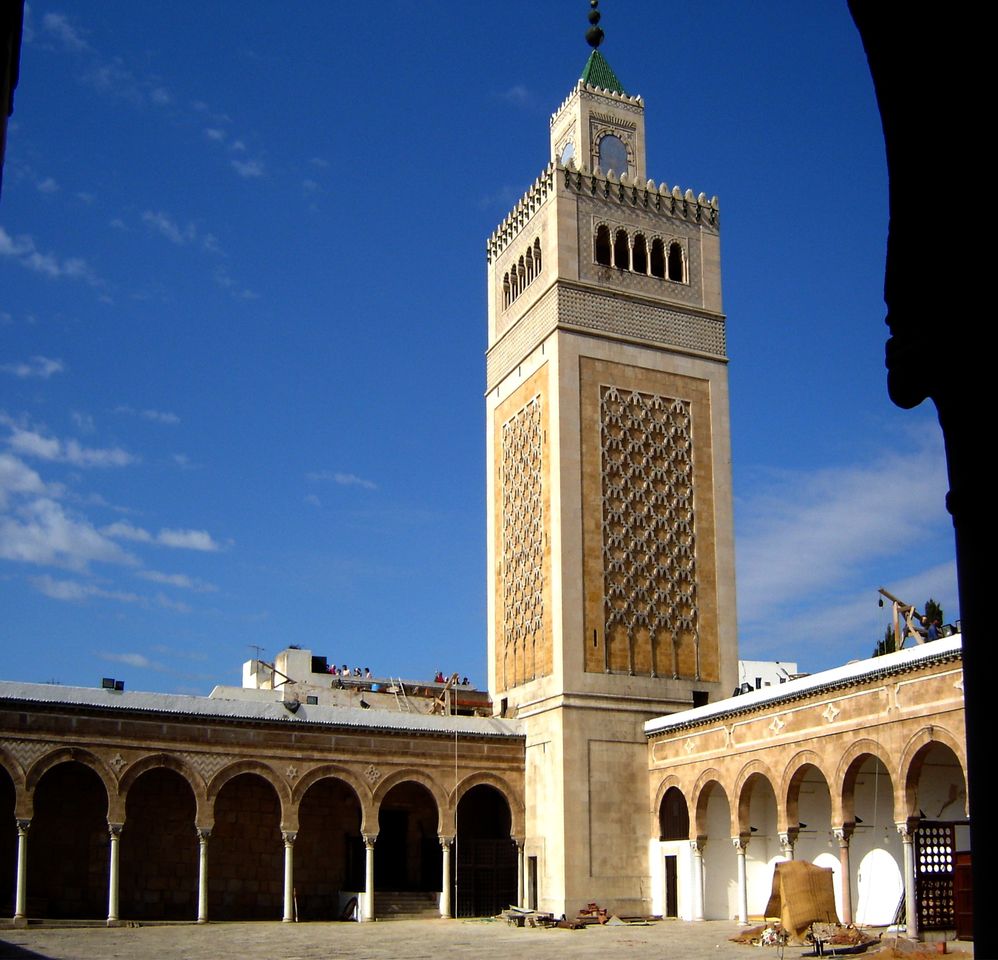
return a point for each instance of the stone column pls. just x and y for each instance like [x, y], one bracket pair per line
[114, 829]
[519, 874]
[740, 843]
[843, 835]
[906, 829]
[289, 876]
[445, 894]
[21, 884]
[787, 842]
[697, 847]
[368, 911]
[203, 837]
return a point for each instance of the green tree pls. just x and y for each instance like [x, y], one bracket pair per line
[934, 612]
[887, 645]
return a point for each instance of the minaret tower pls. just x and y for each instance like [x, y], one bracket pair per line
[611, 561]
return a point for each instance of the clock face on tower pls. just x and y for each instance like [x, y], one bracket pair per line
[612, 155]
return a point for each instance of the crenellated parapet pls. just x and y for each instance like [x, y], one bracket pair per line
[649, 196]
[527, 206]
[626, 100]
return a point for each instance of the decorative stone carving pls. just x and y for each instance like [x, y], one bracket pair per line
[649, 535]
[372, 773]
[522, 542]
[831, 712]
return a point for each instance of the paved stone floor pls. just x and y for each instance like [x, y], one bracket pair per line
[397, 940]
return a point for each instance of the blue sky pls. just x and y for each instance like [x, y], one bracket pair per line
[242, 324]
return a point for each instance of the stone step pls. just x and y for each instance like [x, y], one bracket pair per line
[406, 904]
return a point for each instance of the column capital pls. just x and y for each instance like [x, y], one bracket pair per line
[445, 841]
[204, 834]
[906, 829]
[369, 840]
[740, 844]
[114, 829]
[697, 846]
[289, 837]
[23, 826]
[844, 833]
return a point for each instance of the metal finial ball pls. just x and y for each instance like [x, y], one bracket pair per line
[594, 36]
[594, 16]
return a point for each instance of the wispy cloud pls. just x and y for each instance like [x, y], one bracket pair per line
[156, 416]
[23, 250]
[16, 477]
[180, 580]
[163, 224]
[70, 36]
[42, 533]
[30, 443]
[811, 547]
[517, 94]
[343, 479]
[249, 169]
[179, 539]
[37, 367]
[74, 591]
[47, 185]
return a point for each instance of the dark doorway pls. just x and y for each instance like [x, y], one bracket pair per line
[671, 887]
[407, 856]
[486, 855]
[8, 844]
[159, 849]
[532, 883]
[69, 845]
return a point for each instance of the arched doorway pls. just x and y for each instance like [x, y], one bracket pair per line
[875, 851]
[69, 845]
[407, 856]
[810, 796]
[8, 843]
[485, 854]
[246, 853]
[758, 820]
[674, 837]
[720, 874]
[329, 850]
[159, 849]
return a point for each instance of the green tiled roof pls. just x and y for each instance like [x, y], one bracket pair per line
[598, 73]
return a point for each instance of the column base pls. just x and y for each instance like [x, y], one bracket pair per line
[115, 923]
[19, 922]
[202, 919]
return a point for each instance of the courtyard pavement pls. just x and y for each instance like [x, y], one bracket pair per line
[394, 940]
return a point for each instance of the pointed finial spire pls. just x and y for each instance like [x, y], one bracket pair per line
[594, 35]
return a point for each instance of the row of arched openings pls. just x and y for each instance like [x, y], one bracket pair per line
[522, 273]
[68, 848]
[934, 786]
[616, 249]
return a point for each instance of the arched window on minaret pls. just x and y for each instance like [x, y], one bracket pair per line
[603, 252]
[530, 264]
[505, 290]
[621, 251]
[537, 256]
[677, 270]
[658, 258]
[521, 276]
[639, 255]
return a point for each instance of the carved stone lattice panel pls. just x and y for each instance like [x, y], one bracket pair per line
[649, 538]
[522, 543]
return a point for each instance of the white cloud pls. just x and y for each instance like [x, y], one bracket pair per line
[157, 416]
[812, 548]
[23, 250]
[179, 539]
[48, 185]
[213, 133]
[73, 590]
[37, 367]
[180, 580]
[517, 94]
[162, 224]
[59, 26]
[132, 660]
[16, 477]
[161, 96]
[188, 540]
[44, 534]
[248, 168]
[343, 479]
[32, 444]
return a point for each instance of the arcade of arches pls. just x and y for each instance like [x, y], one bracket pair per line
[145, 817]
[866, 778]
[128, 813]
